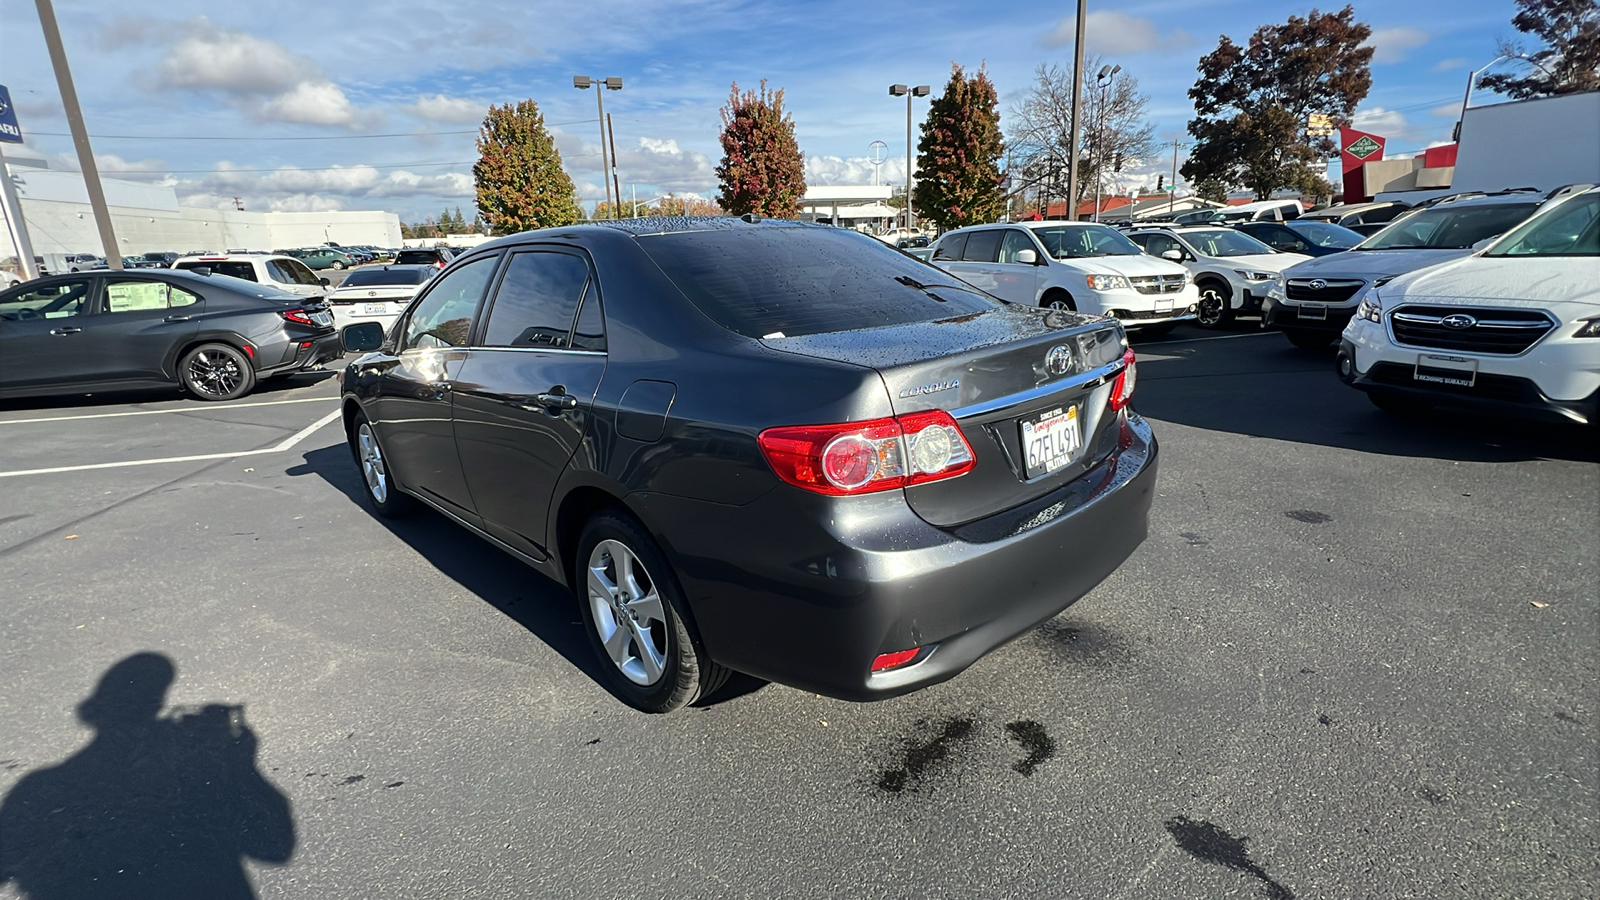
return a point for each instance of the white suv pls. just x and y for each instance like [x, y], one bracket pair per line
[282, 272]
[1514, 328]
[1070, 265]
[1235, 273]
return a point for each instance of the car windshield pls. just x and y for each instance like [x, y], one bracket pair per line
[1224, 242]
[386, 275]
[1449, 227]
[1326, 234]
[788, 282]
[1571, 229]
[1080, 241]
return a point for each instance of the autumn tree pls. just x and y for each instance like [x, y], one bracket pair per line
[1115, 124]
[958, 156]
[1569, 61]
[1253, 102]
[520, 182]
[762, 170]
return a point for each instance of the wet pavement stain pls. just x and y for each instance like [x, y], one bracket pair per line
[1192, 539]
[1309, 516]
[921, 756]
[1040, 746]
[1208, 843]
[352, 779]
[1435, 797]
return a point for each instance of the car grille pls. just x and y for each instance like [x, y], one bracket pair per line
[1473, 330]
[1157, 284]
[1323, 290]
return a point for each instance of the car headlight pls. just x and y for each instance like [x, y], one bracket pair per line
[1371, 307]
[1249, 275]
[1591, 327]
[1106, 282]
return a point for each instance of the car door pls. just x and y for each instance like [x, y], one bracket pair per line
[41, 327]
[411, 410]
[979, 265]
[525, 393]
[1016, 281]
[138, 328]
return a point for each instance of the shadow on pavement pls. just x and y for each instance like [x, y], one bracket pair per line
[155, 807]
[1260, 385]
[263, 391]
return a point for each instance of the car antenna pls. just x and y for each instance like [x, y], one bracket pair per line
[752, 218]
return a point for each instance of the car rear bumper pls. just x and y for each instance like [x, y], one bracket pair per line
[825, 585]
[303, 353]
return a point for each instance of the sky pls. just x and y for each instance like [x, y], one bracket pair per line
[304, 106]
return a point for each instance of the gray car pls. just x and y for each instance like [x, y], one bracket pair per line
[1320, 295]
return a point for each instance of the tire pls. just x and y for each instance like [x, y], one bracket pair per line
[1396, 405]
[386, 498]
[1311, 340]
[1215, 308]
[652, 659]
[336, 265]
[216, 372]
[1058, 299]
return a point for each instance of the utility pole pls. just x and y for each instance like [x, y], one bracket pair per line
[80, 134]
[584, 82]
[1172, 186]
[615, 184]
[1077, 107]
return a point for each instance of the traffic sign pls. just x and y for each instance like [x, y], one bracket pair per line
[10, 131]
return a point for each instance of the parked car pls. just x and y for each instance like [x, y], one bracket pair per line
[1511, 330]
[1308, 236]
[215, 337]
[762, 446]
[1320, 296]
[159, 259]
[1081, 266]
[282, 272]
[438, 257]
[323, 258]
[1234, 272]
[1353, 215]
[377, 294]
[1260, 211]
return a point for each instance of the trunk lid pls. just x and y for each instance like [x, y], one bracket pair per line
[992, 371]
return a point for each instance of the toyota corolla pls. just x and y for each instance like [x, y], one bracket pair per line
[768, 447]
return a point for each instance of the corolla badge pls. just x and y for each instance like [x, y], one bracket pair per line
[933, 388]
[1059, 360]
[1458, 321]
[1317, 284]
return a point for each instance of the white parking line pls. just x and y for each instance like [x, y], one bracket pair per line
[286, 444]
[157, 412]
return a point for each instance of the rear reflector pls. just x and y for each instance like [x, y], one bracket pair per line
[862, 457]
[895, 660]
[1122, 388]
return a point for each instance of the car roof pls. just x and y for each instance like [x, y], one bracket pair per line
[233, 257]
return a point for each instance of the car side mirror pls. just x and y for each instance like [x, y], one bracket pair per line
[362, 337]
[1174, 255]
[325, 282]
[1027, 258]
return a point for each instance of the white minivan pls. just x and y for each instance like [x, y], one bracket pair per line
[1082, 266]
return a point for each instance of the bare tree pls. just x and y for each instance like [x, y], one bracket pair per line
[1115, 129]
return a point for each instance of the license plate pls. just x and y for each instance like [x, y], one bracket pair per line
[374, 309]
[1164, 304]
[1313, 311]
[1051, 440]
[1453, 370]
[323, 318]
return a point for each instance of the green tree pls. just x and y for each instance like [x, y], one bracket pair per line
[521, 184]
[1569, 62]
[1253, 101]
[762, 170]
[1212, 189]
[958, 157]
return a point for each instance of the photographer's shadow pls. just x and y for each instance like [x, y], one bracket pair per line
[154, 807]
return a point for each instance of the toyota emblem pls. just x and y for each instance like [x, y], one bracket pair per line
[372, 293]
[1059, 360]
[1458, 321]
[1317, 284]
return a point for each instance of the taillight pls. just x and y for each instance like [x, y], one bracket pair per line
[1122, 388]
[299, 315]
[862, 457]
[895, 660]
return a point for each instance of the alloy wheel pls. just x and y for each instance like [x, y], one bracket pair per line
[216, 373]
[629, 614]
[1209, 310]
[372, 467]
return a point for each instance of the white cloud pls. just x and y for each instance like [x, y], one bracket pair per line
[1453, 64]
[654, 164]
[1380, 121]
[1391, 44]
[1114, 33]
[313, 103]
[1447, 111]
[450, 110]
[843, 170]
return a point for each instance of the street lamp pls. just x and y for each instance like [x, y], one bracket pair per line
[921, 90]
[1471, 77]
[583, 82]
[1108, 74]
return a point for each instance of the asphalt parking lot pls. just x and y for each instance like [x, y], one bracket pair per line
[1356, 657]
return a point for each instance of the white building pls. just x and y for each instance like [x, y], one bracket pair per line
[848, 205]
[147, 217]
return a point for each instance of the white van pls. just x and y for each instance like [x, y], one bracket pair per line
[1261, 211]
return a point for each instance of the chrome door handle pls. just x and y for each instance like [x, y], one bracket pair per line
[65, 330]
[557, 400]
[178, 318]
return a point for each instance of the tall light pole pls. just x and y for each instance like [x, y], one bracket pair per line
[1107, 77]
[921, 90]
[1077, 107]
[1471, 77]
[80, 134]
[583, 82]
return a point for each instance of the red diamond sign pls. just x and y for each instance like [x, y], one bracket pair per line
[1363, 147]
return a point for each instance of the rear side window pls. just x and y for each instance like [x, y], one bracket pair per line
[241, 270]
[537, 301]
[292, 271]
[791, 281]
[951, 246]
[134, 296]
[983, 246]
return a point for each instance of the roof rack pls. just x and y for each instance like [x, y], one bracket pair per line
[1567, 190]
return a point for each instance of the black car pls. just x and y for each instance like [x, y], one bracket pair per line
[159, 259]
[1306, 236]
[215, 336]
[438, 257]
[772, 447]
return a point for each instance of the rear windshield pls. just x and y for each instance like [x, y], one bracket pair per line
[241, 270]
[415, 257]
[1450, 227]
[370, 277]
[787, 282]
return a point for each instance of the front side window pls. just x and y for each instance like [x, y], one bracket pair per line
[1224, 242]
[139, 296]
[1571, 229]
[443, 317]
[1016, 240]
[58, 301]
[537, 301]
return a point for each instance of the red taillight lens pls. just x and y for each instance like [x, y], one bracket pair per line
[862, 457]
[298, 315]
[1122, 388]
[895, 660]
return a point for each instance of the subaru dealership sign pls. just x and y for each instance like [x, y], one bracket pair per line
[10, 131]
